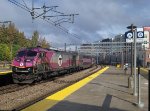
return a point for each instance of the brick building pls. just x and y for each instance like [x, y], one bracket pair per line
[145, 52]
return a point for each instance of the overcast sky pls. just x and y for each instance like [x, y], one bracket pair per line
[97, 19]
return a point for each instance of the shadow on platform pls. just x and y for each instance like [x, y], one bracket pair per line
[101, 84]
[71, 106]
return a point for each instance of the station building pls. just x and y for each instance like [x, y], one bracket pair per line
[118, 51]
[144, 55]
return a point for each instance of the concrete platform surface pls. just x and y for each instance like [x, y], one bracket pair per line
[5, 72]
[107, 92]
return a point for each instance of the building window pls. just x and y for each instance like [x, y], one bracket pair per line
[145, 36]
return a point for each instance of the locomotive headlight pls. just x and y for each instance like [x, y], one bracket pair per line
[18, 59]
[28, 60]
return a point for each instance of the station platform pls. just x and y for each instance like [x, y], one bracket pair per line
[106, 90]
[5, 72]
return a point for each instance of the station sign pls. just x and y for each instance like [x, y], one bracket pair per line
[140, 34]
[128, 34]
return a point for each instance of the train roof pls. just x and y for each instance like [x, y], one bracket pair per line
[38, 48]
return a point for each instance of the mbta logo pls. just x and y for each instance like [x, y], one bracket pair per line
[129, 35]
[60, 60]
[21, 64]
[140, 34]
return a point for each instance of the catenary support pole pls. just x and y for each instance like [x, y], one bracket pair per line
[135, 80]
[140, 104]
[130, 78]
[131, 58]
[65, 47]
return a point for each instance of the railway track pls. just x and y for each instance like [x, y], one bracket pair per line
[11, 88]
[17, 97]
[16, 87]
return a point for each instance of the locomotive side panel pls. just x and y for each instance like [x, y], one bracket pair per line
[61, 60]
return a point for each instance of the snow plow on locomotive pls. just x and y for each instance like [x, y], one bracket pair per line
[34, 64]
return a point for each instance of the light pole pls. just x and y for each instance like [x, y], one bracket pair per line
[132, 28]
[135, 75]
[65, 47]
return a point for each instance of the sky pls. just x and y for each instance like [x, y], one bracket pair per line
[97, 19]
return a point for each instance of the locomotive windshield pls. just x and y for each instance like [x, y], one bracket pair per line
[27, 53]
[31, 53]
[21, 54]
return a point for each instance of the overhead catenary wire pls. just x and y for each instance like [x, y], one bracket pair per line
[46, 19]
[25, 4]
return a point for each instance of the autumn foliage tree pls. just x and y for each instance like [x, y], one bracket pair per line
[35, 38]
[11, 40]
[4, 52]
[43, 43]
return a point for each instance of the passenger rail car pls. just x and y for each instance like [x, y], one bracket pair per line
[34, 64]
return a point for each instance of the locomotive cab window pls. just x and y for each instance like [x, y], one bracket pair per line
[21, 54]
[27, 53]
[31, 53]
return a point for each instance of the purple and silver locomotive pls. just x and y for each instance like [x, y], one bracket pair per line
[34, 64]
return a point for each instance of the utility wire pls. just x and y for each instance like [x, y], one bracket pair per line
[46, 19]
[25, 4]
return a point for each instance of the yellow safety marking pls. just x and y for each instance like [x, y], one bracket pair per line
[4, 73]
[52, 100]
[144, 69]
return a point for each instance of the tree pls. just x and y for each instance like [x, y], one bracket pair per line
[43, 43]
[15, 49]
[35, 38]
[11, 40]
[3, 35]
[28, 43]
[5, 52]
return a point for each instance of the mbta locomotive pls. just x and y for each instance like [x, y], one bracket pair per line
[34, 64]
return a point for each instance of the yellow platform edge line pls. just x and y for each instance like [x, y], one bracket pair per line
[144, 69]
[52, 100]
[4, 73]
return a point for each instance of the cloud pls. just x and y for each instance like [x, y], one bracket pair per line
[97, 19]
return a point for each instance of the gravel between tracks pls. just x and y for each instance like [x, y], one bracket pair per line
[13, 100]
